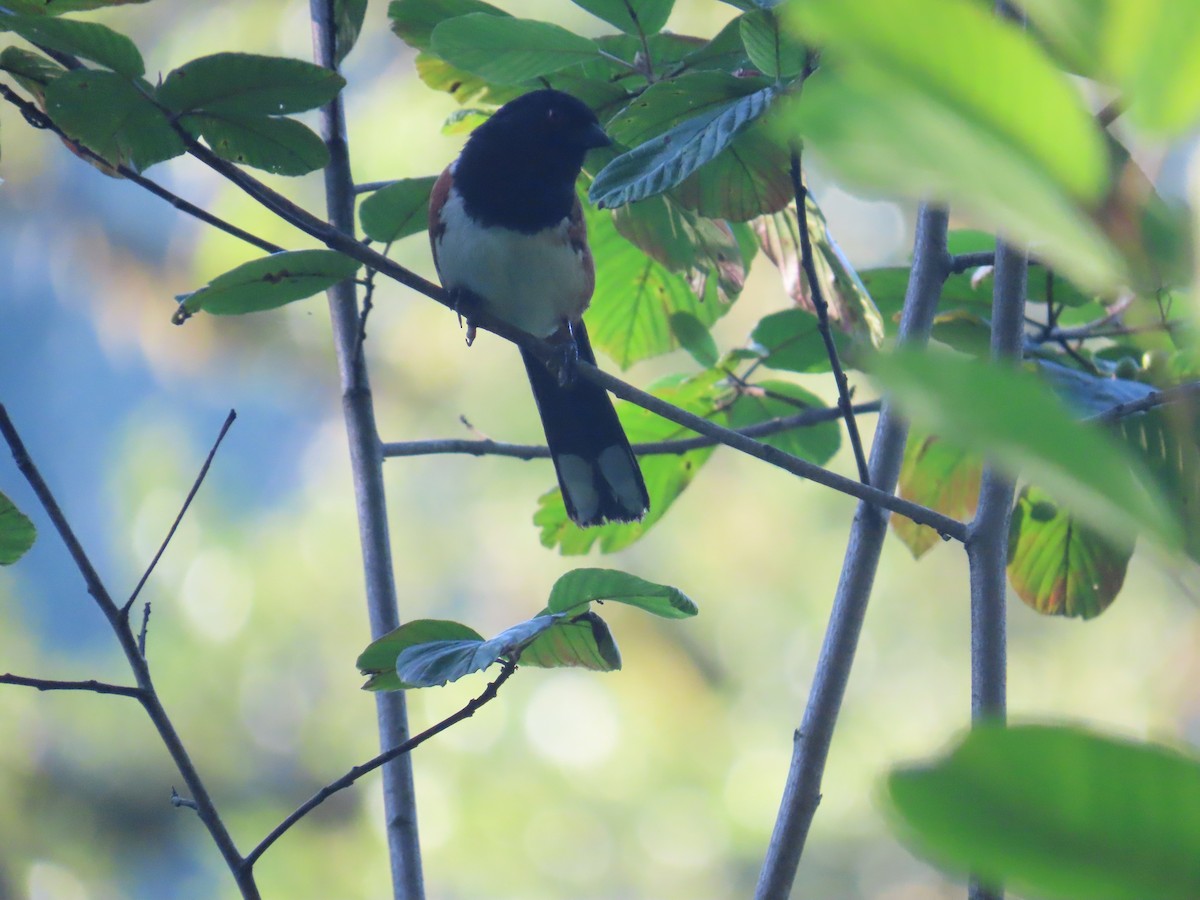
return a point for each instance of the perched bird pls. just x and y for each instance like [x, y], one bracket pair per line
[507, 231]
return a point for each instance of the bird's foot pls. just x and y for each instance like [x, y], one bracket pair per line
[465, 302]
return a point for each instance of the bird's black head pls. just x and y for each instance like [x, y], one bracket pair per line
[519, 167]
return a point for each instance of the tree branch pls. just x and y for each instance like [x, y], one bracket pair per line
[358, 772]
[38, 119]
[147, 695]
[487, 447]
[810, 750]
[366, 467]
[91, 685]
[822, 309]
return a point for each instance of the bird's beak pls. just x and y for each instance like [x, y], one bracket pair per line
[595, 137]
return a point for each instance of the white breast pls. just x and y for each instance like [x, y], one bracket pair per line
[533, 281]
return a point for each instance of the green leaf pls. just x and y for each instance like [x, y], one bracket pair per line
[773, 51]
[463, 86]
[1058, 565]
[694, 337]
[582, 586]
[688, 244]
[398, 210]
[274, 144]
[89, 40]
[17, 532]
[767, 400]
[850, 304]
[631, 16]
[887, 114]
[378, 660]
[439, 662]
[724, 53]
[665, 161]
[58, 7]
[748, 178]
[246, 84]
[1167, 440]
[349, 16]
[940, 476]
[964, 331]
[1058, 813]
[31, 70]
[583, 641]
[413, 21]
[112, 117]
[268, 282]
[666, 475]
[506, 50]
[1018, 423]
[791, 341]
[630, 314]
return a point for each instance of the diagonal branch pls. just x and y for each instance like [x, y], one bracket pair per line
[489, 693]
[822, 309]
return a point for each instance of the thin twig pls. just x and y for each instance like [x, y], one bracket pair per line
[368, 187]
[148, 696]
[810, 750]
[1166, 397]
[229, 419]
[961, 262]
[358, 410]
[822, 309]
[488, 447]
[489, 693]
[91, 685]
[38, 119]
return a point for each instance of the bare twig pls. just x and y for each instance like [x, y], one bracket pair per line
[1166, 397]
[367, 470]
[91, 685]
[147, 695]
[38, 119]
[822, 309]
[489, 693]
[488, 447]
[961, 262]
[229, 419]
[810, 750]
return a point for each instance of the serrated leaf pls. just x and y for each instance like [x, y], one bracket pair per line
[772, 50]
[1058, 565]
[507, 50]
[271, 143]
[248, 84]
[398, 210]
[108, 114]
[269, 282]
[664, 161]
[767, 400]
[630, 314]
[17, 532]
[1058, 813]
[378, 660]
[583, 641]
[940, 476]
[582, 586]
[748, 178]
[439, 662]
[1018, 423]
[413, 21]
[849, 301]
[886, 114]
[89, 40]
[666, 475]
[631, 16]
[791, 341]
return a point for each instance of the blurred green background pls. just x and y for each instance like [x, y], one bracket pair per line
[660, 781]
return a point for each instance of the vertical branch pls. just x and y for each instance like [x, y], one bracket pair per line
[802, 793]
[366, 460]
[987, 542]
[822, 309]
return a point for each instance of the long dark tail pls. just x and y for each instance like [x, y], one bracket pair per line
[597, 471]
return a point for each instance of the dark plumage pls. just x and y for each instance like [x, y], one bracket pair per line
[507, 227]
